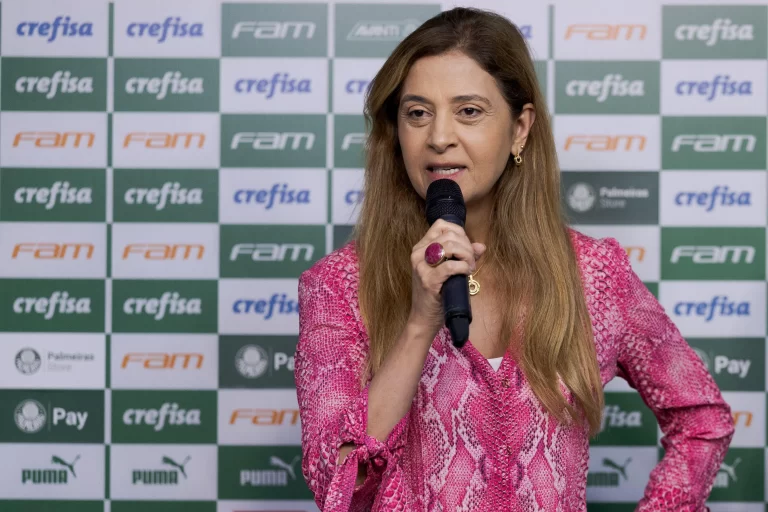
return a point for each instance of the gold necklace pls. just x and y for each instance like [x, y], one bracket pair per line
[474, 285]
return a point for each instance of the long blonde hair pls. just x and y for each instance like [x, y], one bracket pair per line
[528, 242]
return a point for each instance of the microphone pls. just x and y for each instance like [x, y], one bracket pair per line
[444, 201]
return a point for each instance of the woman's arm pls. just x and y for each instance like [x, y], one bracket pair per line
[674, 383]
[352, 439]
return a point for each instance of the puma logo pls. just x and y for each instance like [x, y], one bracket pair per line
[730, 470]
[277, 462]
[58, 460]
[180, 467]
[621, 469]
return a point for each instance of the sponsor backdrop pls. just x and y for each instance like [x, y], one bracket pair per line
[169, 168]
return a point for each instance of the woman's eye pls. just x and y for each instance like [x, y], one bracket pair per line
[470, 111]
[417, 113]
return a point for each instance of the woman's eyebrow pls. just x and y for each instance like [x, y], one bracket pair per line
[456, 99]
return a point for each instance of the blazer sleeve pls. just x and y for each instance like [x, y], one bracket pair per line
[330, 358]
[655, 359]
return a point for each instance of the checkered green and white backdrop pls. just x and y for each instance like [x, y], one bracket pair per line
[169, 168]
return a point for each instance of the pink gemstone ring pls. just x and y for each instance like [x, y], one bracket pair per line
[435, 254]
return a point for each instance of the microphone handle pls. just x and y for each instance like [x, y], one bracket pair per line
[456, 306]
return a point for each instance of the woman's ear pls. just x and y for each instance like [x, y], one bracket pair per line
[523, 125]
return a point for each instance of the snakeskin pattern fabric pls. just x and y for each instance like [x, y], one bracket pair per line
[478, 440]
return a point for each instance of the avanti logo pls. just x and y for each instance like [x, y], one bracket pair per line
[610, 85]
[606, 32]
[172, 82]
[265, 417]
[278, 194]
[165, 140]
[366, 31]
[721, 29]
[164, 252]
[171, 303]
[713, 254]
[61, 81]
[161, 476]
[607, 143]
[609, 478]
[172, 26]
[274, 29]
[718, 196]
[58, 475]
[272, 252]
[57, 140]
[720, 85]
[60, 192]
[169, 414]
[277, 477]
[615, 417]
[274, 140]
[719, 306]
[711, 143]
[163, 360]
[61, 26]
[59, 302]
[53, 251]
[31, 417]
[279, 83]
[277, 303]
[582, 197]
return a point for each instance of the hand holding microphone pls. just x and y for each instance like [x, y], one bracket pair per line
[440, 294]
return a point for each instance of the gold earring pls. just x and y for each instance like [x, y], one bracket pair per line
[518, 158]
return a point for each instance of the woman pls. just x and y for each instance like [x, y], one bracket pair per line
[394, 417]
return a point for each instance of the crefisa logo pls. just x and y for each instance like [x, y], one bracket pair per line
[279, 83]
[172, 26]
[720, 85]
[61, 26]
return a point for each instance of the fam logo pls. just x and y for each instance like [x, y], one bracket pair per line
[169, 303]
[718, 306]
[612, 474]
[711, 143]
[170, 192]
[62, 26]
[719, 85]
[164, 252]
[60, 81]
[605, 143]
[166, 473]
[271, 141]
[606, 32]
[279, 193]
[277, 304]
[610, 85]
[265, 417]
[163, 360]
[278, 83]
[280, 473]
[172, 26]
[274, 29]
[60, 192]
[272, 252]
[382, 31]
[59, 302]
[164, 140]
[582, 197]
[721, 29]
[57, 473]
[719, 196]
[713, 254]
[54, 140]
[635, 253]
[172, 82]
[53, 251]
[31, 417]
[168, 415]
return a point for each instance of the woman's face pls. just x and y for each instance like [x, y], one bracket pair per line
[454, 123]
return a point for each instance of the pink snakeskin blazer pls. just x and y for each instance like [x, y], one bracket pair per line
[478, 440]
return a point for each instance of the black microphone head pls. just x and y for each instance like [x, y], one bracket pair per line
[444, 198]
